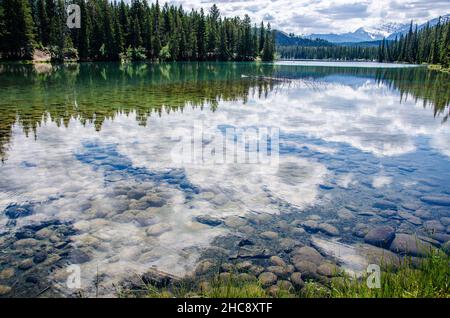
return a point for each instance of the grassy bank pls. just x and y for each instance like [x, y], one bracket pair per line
[427, 278]
[438, 67]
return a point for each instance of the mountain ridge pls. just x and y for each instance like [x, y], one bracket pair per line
[389, 30]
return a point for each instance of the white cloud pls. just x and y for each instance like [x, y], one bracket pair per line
[313, 16]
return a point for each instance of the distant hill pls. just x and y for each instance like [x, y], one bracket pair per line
[284, 39]
[362, 44]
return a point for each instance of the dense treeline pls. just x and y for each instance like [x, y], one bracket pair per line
[135, 31]
[335, 52]
[428, 45]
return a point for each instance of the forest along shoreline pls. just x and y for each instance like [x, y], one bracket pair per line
[141, 32]
[129, 32]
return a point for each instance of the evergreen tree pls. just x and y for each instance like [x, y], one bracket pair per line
[269, 45]
[262, 36]
[201, 36]
[18, 36]
[113, 30]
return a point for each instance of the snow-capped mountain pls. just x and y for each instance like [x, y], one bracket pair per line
[388, 30]
[360, 35]
[385, 30]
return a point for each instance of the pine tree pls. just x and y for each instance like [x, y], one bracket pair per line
[43, 22]
[18, 31]
[201, 37]
[269, 45]
[262, 36]
[112, 30]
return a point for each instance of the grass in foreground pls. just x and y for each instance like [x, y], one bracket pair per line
[427, 278]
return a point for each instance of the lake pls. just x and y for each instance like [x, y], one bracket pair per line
[111, 170]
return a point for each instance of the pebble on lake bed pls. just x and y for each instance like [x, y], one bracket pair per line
[380, 236]
[269, 235]
[267, 279]
[7, 273]
[26, 264]
[277, 261]
[158, 229]
[328, 229]
[410, 245]
[4, 290]
[297, 281]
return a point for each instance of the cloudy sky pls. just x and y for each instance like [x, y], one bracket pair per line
[324, 16]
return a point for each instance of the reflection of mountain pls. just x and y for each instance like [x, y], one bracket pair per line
[92, 93]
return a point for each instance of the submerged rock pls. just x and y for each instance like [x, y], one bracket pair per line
[441, 237]
[385, 205]
[310, 225]
[269, 235]
[243, 266]
[78, 256]
[235, 221]
[423, 214]
[26, 264]
[380, 236]
[306, 253]
[208, 220]
[39, 257]
[436, 200]
[288, 244]
[434, 226]
[158, 229]
[410, 245]
[256, 270]
[328, 270]
[253, 252]
[445, 221]
[25, 243]
[280, 271]
[277, 261]
[410, 218]
[361, 230]
[204, 267]
[153, 200]
[354, 259]
[297, 281]
[7, 273]
[307, 268]
[328, 229]
[15, 211]
[285, 285]
[245, 242]
[4, 290]
[267, 279]
[345, 214]
[44, 233]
